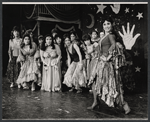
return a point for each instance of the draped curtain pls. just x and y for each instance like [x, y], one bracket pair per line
[64, 12]
[30, 11]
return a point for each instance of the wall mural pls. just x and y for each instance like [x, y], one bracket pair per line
[133, 14]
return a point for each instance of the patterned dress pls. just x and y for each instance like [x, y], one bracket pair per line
[13, 67]
[74, 76]
[51, 77]
[108, 83]
[29, 70]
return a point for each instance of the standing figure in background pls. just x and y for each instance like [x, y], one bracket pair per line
[29, 71]
[91, 56]
[89, 50]
[59, 42]
[102, 34]
[37, 56]
[75, 76]
[30, 32]
[51, 56]
[13, 51]
[54, 32]
[94, 37]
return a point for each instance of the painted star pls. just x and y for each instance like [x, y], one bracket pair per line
[127, 10]
[139, 16]
[101, 8]
[137, 69]
[136, 53]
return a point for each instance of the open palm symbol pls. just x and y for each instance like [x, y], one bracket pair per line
[127, 37]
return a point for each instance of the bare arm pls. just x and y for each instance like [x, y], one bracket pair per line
[41, 55]
[20, 58]
[33, 50]
[58, 52]
[10, 50]
[23, 51]
[68, 57]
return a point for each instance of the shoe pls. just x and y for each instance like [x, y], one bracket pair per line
[79, 91]
[49, 91]
[25, 87]
[92, 107]
[11, 85]
[71, 90]
[90, 91]
[126, 108]
[32, 89]
[128, 111]
[19, 86]
[39, 84]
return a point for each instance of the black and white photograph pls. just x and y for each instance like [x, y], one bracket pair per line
[74, 61]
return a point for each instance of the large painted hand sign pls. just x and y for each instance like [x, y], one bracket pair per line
[127, 37]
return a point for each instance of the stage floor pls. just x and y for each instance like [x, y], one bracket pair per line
[40, 105]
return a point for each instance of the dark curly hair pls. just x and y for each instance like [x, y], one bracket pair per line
[94, 31]
[74, 33]
[43, 46]
[15, 28]
[57, 36]
[30, 43]
[66, 35]
[86, 37]
[109, 19]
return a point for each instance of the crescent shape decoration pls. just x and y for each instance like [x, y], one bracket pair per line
[92, 22]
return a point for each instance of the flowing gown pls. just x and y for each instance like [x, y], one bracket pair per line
[51, 77]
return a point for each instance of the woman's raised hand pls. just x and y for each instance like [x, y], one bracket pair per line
[127, 36]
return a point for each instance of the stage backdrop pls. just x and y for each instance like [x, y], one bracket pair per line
[137, 14]
[90, 16]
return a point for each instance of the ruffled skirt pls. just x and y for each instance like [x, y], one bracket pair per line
[108, 84]
[75, 77]
[29, 72]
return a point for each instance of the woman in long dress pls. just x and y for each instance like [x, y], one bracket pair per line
[29, 71]
[75, 77]
[108, 86]
[50, 55]
[13, 68]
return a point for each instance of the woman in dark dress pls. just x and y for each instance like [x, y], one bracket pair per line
[75, 76]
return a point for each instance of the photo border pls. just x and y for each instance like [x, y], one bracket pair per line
[69, 2]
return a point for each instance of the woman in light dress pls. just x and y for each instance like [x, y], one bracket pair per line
[29, 71]
[50, 56]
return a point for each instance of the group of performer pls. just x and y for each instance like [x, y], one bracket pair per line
[92, 62]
